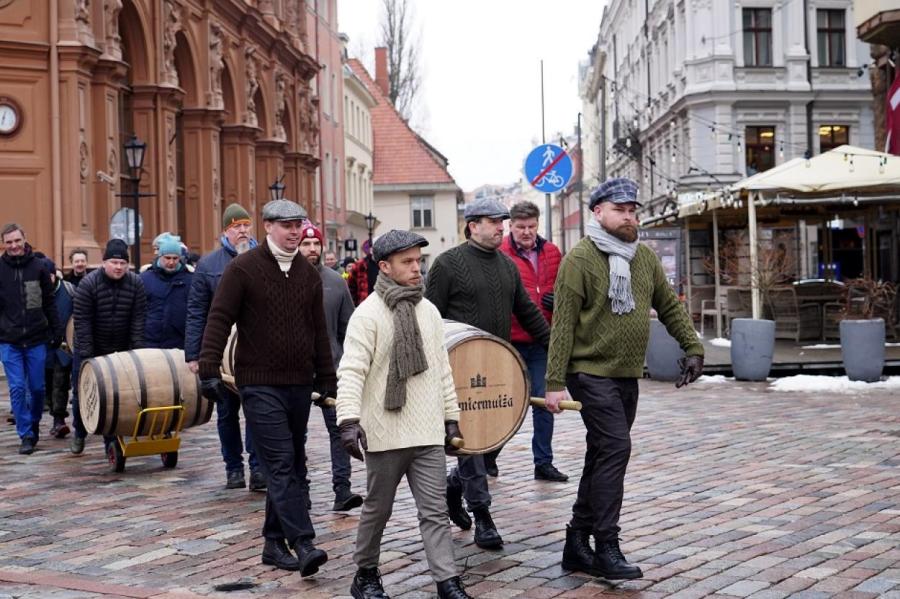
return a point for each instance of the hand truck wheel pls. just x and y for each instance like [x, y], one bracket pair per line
[169, 459]
[116, 457]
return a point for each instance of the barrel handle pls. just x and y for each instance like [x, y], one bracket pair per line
[563, 405]
[329, 402]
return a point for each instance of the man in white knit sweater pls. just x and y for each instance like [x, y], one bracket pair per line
[397, 402]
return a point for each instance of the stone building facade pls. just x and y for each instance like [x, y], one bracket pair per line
[219, 91]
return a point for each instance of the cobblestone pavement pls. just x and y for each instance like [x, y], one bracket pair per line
[733, 491]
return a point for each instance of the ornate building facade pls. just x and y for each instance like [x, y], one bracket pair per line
[218, 90]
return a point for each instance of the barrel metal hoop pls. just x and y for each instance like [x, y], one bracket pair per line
[114, 419]
[176, 387]
[142, 383]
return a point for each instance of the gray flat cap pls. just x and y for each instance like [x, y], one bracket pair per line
[485, 207]
[395, 241]
[283, 210]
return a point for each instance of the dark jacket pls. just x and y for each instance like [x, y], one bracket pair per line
[203, 286]
[109, 315]
[64, 299]
[537, 283]
[167, 297]
[27, 312]
[362, 279]
[71, 277]
[338, 309]
[280, 321]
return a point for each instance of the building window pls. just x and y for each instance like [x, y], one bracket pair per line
[760, 149]
[832, 136]
[832, 36]
[758, 37]
[422, 212]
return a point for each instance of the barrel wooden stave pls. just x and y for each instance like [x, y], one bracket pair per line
[227, 367]
[114, 388]
[492, 386]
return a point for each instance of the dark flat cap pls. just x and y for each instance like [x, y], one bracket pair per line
[488, 207]
[395, 241]
[620, 190]
[283, 210]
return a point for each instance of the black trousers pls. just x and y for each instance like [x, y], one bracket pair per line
[277, 417]
[609, 407]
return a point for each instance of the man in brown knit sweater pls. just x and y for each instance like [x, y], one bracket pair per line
[275, 297]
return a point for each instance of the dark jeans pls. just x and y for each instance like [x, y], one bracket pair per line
[77, 424]
[340, 461]
[228, 422]
[535, 357]
[609, 407]
[277, 417]
[472, 475]
[57, 382]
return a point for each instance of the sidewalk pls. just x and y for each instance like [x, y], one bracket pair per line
[733, 491]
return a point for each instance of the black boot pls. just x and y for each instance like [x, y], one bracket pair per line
[275, 553]
[490, 465]
[309, 557]
[611, 564]
[367, 585]
[577, 553]
[456, 511]
[486, 535]
[345, 500]
[452, 588]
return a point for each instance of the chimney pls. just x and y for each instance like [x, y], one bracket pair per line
[381, 70]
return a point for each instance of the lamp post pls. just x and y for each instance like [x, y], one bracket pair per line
[370, 224]
[134, 155]
[276, 190]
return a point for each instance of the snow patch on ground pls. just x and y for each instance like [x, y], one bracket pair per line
[720, 342]
[714, 378]
[832, 384]
[838, 345]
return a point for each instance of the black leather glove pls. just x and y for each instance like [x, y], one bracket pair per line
[547, 301]
[212, 389]
[352, 438]
[451, 429]
[691, 369]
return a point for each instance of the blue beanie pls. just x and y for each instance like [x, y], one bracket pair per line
[170, 244]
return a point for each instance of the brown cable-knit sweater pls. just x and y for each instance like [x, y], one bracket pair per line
[280, 320]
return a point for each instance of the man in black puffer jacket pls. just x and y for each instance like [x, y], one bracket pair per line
[28, 321]
[110, 309]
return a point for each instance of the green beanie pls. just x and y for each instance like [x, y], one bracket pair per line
[234, 214]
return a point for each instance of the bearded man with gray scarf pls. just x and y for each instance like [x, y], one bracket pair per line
[397, 402]
[611, 281]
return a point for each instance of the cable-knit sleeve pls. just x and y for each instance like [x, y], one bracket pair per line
[359, 349]
[567, 304]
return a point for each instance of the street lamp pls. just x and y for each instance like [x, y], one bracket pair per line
[134, 155]
[370, 224]
[276, 190]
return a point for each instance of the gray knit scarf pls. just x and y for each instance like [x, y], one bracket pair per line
[408, 354]
[621, 253]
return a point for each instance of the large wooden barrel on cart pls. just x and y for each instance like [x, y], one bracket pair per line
[492, 386]
[228, 360]
[113, 389]
[70, 334]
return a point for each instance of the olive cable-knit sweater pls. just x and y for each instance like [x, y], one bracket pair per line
[588, 338]
[483, 288]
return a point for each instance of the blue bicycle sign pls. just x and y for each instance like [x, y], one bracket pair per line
[548, 168]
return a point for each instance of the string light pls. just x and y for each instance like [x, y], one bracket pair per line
[852, 168]
[781, 150]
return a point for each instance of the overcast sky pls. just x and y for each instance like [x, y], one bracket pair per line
[481, 93]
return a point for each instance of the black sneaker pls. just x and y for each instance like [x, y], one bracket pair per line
[367, 585]
[257, 481]
[234, 479]
[550, 473]
[76, 445]
[27, 447]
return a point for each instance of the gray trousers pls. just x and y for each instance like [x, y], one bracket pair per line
[425, 469]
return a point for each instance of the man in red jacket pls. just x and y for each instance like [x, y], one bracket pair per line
[538, 261]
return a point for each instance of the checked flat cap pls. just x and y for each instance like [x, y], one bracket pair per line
[283, 210]
[488, 207]
[620, 190]
[395, 241]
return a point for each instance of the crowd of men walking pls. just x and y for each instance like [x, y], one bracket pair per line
[371, 337]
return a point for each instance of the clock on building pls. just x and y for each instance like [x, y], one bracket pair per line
[10, 116]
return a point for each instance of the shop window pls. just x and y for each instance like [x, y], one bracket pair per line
[760, 149]
[832, 136]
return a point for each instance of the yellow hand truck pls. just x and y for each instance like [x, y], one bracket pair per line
[162, 438]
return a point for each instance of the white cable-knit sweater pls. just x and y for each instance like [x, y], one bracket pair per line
[362, 379]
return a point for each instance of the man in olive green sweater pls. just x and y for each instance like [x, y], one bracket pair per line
[604, 291]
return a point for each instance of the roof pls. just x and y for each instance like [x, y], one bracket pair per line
[401, 156]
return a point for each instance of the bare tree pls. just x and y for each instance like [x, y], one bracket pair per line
[402, 45]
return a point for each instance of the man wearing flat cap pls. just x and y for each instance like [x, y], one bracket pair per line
[476, 284]
[397, 403]
[275, 298]
[604, 291]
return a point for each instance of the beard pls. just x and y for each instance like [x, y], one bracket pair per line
[626, 233]
[242, 246]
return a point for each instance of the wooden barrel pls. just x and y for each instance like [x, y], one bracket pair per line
[113, 389]
[70, 335]
[228, 360]
[492, 385]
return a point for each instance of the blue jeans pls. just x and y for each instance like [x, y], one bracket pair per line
[24, 366]
[535, 357]
[228, 423]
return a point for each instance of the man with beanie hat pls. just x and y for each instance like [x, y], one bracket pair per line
[604, 291]
[236, 239]
[110, 308]
[338, 309]
[282, 356]
[166, 283]
[397, 403]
